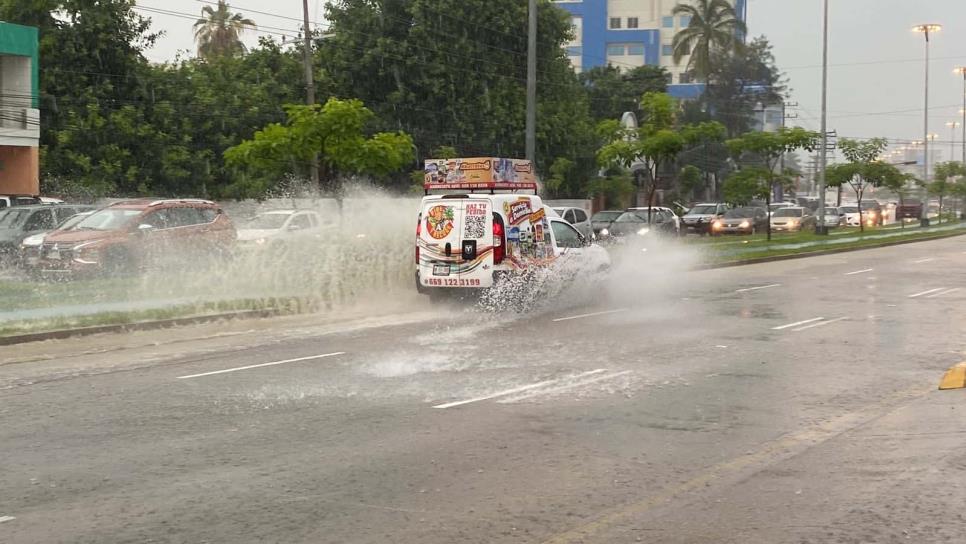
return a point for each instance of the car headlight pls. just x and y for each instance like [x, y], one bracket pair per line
[604, 232]
[33, 241]
[260, 241]
[793, 223]
[716, 224]
[744, 225]
[643, 231]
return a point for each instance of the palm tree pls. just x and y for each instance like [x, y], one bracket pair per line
[714, 26]
[218, 30]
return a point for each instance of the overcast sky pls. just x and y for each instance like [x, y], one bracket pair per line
[875, 78]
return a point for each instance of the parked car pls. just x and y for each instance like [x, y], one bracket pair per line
[30, 246]
[909, 209]
[8, 201]
[833, 217]
[746, 220]
[635, 222]
[667, 212]
[133, 234]
[699, 218]
[17, 223]
[275, 228]
[578, 218]
[779, 205]
[792, 219]
[601, 221]
[872, 213]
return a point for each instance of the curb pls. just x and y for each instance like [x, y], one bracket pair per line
[136, 326]
[820, 252]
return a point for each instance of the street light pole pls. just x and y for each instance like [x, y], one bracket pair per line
[531, 128]
[962, 70]
[926, 29]
[820, 227]
[309, 84]
[952, 138]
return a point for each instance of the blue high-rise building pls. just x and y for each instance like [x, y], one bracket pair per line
[631, 33]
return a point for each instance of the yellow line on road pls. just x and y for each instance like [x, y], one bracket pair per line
[770, 452]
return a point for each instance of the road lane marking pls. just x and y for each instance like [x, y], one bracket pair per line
[6, 518]
[724, 473]
[572, 385]
[943, 293]
[745, 290]
[820, 324]
[926, 260]
[859, 272]
[518, 389]
[797, 323]
[273, 363]
[926, 292]
[581, 316]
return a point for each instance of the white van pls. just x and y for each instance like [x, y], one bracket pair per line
[469, 241]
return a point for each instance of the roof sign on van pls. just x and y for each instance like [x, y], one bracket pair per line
[488, 173]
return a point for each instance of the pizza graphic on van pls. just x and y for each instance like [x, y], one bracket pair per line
[439, 221]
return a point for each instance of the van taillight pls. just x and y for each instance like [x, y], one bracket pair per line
[499, 240]
[419, 229]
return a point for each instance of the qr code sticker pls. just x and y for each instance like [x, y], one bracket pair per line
[475, 227]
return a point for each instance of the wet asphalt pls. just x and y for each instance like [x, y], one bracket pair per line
[791, 402]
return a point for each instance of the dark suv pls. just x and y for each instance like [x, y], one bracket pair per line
[134, 234]
[19, 222]
[700, 217]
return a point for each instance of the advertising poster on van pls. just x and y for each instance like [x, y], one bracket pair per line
[479, 173]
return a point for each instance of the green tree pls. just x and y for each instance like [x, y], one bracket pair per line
[741, 83]
[218, 31]
[612, 92]
[424, 68]
[943, 184]
[652, 145]
[863, 169]
[714, 27]
[689, 180]
[762, 152]
[335, 132]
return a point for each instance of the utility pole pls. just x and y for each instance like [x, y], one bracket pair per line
[307, 56]
[820, 227]
[531, 143]
[309, 84]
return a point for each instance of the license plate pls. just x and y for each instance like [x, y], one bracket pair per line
[54, 254]
[441, 270]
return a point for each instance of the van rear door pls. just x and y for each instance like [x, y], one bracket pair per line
[456, 243]
[439, 242]
[476, 243]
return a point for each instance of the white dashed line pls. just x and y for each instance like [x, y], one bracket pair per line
[820, 324]
[926, 260]
[745, 290]
[926, 292]
[941, 293]
[518, 389]
[570, 385]
[797, 323]
[236, 369]
[858, 272]
[6, 518]
[581, 316]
